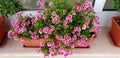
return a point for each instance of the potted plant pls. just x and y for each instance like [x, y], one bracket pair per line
[60, 26]
[115, 29]
[7, 7]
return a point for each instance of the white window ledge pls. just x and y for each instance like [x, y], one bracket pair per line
[101, 48]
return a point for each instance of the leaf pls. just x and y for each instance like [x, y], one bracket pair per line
[26, 34]
[86, 32]
[37, 25]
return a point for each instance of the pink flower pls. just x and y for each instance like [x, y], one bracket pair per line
[42, 7]
[34, 36]
[46, 29]
[54, 13]
[66, 36]
[33, 21]
[57, 18]
[76, 29]
[95, 29]
[51, 4]
[38, 3]
[83, 8]
[40, 31]
[52, 28]
[74, 37]
[42, 3]
[52, 50]
[78, 8]
[88, 5]
[57, 45]
[36, 18]
[59, 53]
[64, 11]
[44, 17]
[23, 24]
[21, 39]
[84, 43]
[78, 33]
[31, 32]
[72, 46]
[21, 30]
[73, 13]
[46, 36]
[87, 22]
[27, 23]
[42, 44]
[60, 38]
[53, 21]
[51, 44]
[46, 10]
[69, 39]
[10, 34]
[69, 18]
[67, 52]
[65, 22]
[18, 14]
[84, 27]
[61, 49]
[96, 20]
[38, 11]
[91, 7]
[67, 43]
[15, 38]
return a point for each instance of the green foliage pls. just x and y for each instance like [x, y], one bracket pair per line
[86, 32]
[26, 34]
[9, 7]
[45, 49]
[116, 4]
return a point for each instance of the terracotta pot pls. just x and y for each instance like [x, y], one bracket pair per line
[115, 30]
[36, 43]
[2, 30]
[33, 42]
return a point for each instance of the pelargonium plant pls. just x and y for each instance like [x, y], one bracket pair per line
[63, 24]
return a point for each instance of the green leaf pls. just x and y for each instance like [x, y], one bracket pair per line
[26, 34]
[9, 7]
[86, 32]
[37, 25]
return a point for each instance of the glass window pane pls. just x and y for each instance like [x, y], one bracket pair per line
[31, 4]
[108, 5]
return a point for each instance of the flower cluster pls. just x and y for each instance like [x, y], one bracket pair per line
[63, 24]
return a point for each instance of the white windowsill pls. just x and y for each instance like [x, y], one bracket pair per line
[101, 48]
